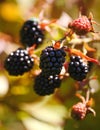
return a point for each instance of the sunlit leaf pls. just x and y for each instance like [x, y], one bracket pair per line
[47, 110]
[4, 85]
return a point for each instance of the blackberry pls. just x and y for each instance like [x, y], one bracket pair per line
[78, 69]
[31, 33]
[81, 25]
[79, 111]
[45, 85]
[18, 62]
[51, 60]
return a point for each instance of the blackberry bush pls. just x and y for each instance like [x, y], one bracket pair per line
[78, 69]
[31, 33]
[18, 62]
[51, 60]
[45, 85]
[77, 38]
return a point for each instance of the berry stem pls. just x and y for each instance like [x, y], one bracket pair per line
[87, 95]
[31, 49]
[69, 33]
[88, 48]
[81, 97]
[92, 111]
[58, 44]
[79, 53]
[44, 24]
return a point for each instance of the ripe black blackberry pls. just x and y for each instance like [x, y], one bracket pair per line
[18, 62]
[78, 69]
[45, 85]
[51, 60]
[31, 33]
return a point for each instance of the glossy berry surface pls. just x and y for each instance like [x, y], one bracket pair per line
[45, 85]
[31, 33]
[81, 26]
[18, 62]
[51, 60]
[77, 68]
[79, 111]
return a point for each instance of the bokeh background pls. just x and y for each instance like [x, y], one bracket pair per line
[20, 107]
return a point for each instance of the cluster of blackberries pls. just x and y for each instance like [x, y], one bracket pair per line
[18, 62]
[78, 68]
[51, 62]
[31, 33]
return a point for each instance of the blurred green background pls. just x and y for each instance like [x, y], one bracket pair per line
[20, 107]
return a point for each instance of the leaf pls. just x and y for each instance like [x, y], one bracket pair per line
[9, 120]
[4, 85]
[47, 110]
[32, 124]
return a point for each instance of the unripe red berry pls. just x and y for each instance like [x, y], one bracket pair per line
[79, 111]
[81, 26]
